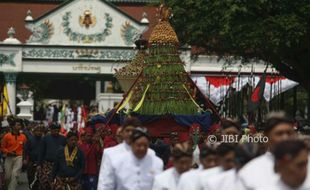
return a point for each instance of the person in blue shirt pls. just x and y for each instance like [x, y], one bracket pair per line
[31, 156]
[50, 144]
[69, 165]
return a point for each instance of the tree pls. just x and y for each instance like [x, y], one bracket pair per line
[274, 31]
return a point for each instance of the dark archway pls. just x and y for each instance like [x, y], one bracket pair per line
[62, 86]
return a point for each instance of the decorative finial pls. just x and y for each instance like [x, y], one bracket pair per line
[11, 32]
[144, 15]
[165, 12]
[163, 33]
[29, 13]
[29, 16]
[144, 18]
[11, 37]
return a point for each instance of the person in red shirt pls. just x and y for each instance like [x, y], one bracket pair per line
[109, 139]
[92, 153]
[12, 147]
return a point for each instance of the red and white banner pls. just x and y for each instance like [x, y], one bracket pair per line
[213, 87]
[216, 87]
[277, 85]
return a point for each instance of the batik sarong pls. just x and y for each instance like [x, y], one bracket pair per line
[66, 184]
[44, 175]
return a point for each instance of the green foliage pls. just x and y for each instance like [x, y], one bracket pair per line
[165, 73]
[275, 31]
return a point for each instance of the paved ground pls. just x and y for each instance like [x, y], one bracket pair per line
[23, 183]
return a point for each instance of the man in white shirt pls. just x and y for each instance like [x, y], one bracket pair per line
[135, 169]
[226, 156]
[196, 179]
[260, 171]
[113, 153]
[190, 179]
[182, 160]
[291, 162]
[230, 179]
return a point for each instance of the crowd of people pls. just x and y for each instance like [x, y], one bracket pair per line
[67, 115]
[128, 158]
[52, 157]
